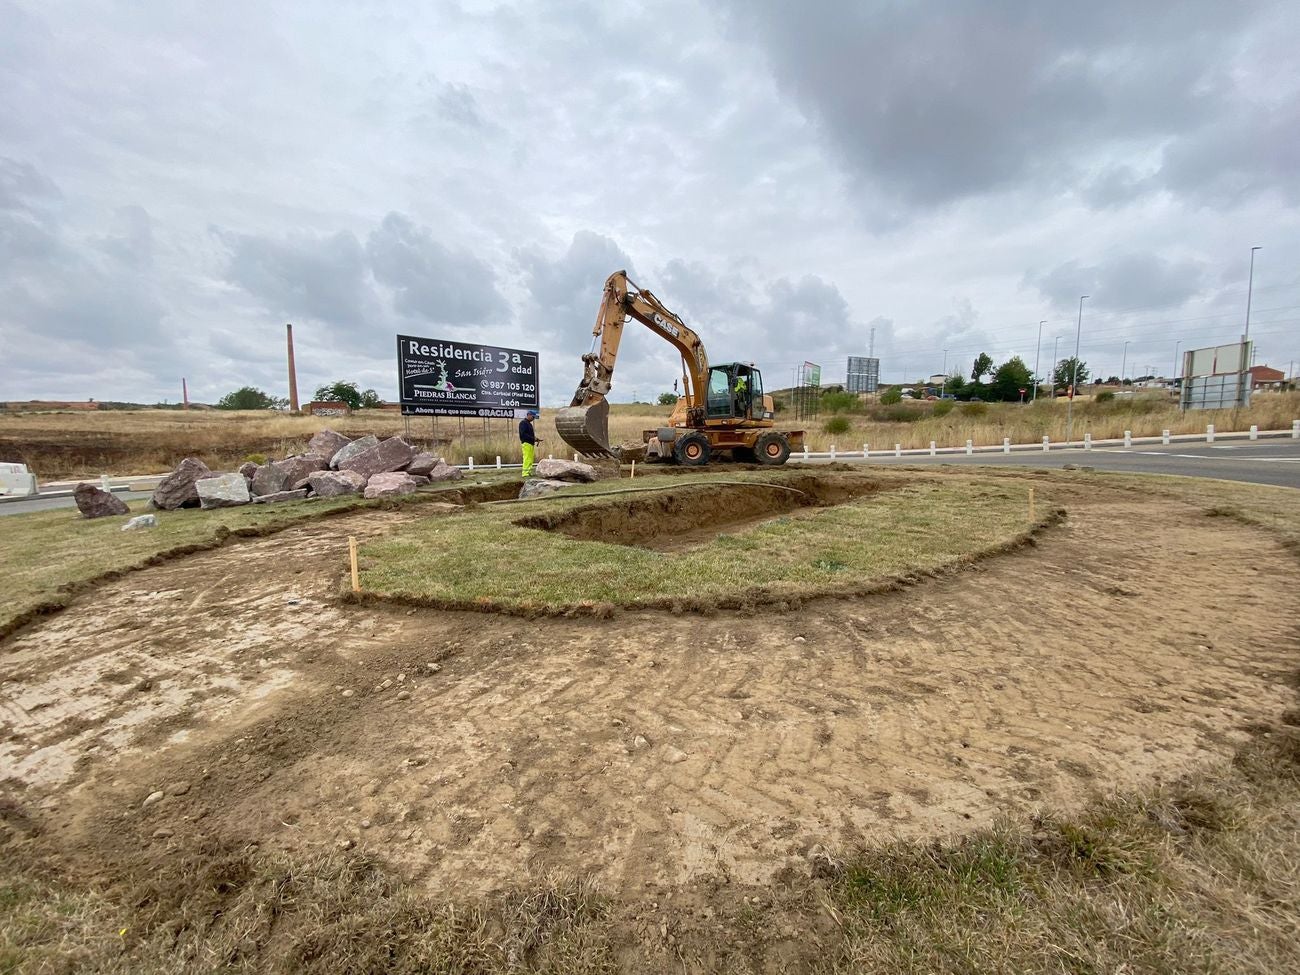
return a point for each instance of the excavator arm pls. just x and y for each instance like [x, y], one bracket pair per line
[584, 423]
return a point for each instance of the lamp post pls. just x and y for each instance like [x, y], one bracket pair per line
[1037, 354]
[1177, 345]
[1074, 376]
[1055, 342]
[1123, 363]
[1242, 394]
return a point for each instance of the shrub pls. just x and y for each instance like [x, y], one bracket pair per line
[258, 459]
[974, 409]
[891, 396]
[837, 424]
[840, 402]
[897, 413]
[943, 407]
[1105, 396]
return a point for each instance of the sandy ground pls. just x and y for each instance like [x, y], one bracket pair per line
[649, 751]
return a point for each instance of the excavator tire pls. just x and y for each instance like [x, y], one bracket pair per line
[772, 448]
[692, 450]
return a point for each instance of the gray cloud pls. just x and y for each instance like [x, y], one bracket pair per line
[431, 282]
[1121, 281]
[323, 277]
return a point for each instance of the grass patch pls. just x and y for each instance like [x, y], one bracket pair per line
[52, 555]
[484, 560]
[332, 914]
[1199, 877]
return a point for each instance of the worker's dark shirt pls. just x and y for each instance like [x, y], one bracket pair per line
[526, 434]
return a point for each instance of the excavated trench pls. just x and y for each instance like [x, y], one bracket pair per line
[689, 515]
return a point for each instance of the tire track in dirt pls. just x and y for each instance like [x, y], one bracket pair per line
[655, 751]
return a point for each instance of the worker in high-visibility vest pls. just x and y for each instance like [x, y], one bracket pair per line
[528, 441]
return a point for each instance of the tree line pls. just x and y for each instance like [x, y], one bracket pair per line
[340, 391]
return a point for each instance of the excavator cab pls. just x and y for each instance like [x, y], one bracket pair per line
[735, 392]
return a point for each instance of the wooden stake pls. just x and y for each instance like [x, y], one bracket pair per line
[352, 556]
[1031, 504]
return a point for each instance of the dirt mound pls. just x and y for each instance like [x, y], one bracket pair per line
[691, 514]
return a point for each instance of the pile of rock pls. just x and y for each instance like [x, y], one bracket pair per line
[332, 466]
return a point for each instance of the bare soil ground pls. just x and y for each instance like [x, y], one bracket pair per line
[694, 758]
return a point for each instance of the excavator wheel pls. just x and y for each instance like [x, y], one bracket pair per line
[772, 448]
[692, 450]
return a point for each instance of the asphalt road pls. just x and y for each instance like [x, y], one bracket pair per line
[1259, 462]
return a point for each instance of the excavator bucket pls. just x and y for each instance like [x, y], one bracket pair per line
[586, 428]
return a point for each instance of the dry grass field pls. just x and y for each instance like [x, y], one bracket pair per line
[88, 443]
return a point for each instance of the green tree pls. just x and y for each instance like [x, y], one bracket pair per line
[339, 392]
[1068, 371]
[983, 364]
[891, 396]
[955, 384]
[370, 399]
[246, 398]
[1009, 379]
[667, 399]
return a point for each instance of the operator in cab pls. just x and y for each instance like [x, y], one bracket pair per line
[528, 441]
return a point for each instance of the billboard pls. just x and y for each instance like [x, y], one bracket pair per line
[812, 374]
[436, 377]
[863, 374]
[1216, 378]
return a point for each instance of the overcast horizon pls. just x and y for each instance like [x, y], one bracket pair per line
[178, 181]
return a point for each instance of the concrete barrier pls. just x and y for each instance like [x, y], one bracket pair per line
[16, 481]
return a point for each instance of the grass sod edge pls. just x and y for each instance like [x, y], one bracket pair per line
[778, 592]
[219, 535]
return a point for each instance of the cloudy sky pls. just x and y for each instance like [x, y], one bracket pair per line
[179, 179]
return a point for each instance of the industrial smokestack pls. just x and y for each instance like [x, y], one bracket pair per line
[185, 393]
[293, 373]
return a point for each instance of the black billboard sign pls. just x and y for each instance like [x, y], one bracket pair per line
[441, 378]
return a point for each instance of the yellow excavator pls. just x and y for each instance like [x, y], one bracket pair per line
[723, 407]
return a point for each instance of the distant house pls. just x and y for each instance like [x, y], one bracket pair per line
[1263, 377]
[938, 379]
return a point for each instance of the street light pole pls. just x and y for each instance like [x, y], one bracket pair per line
[1037, 354]
[1177, 345]
[1074, 377]
[1242, 394]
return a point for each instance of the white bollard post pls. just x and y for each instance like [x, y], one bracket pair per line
[1209, 433]
[1254, 431]
[898, 450]
[1295, 429]
[1164, 437]
[471, 463]
[832, 451]
[550, 457]
[866, 451]
[498, 462]
[970, 447]
[1006, 445]
[1087, 441]
[104, 483]
[931, 448]
[1047, 444]
[1128, 438]
[805, 451]
[575, 458]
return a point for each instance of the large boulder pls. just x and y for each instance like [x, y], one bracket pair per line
[565, 470]
[335, 484]
[423, 463]
[283, 475]
[326, 444]
[348, 451]
[444, 472]
[390, 455]
[281, 496]
[177, 489]
[222, 491]
[389, 485]
[535, 487]
[248, 469]
[93, 502]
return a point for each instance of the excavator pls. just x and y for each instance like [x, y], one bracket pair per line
[722, 409]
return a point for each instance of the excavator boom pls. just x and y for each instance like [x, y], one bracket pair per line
[584, 423]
